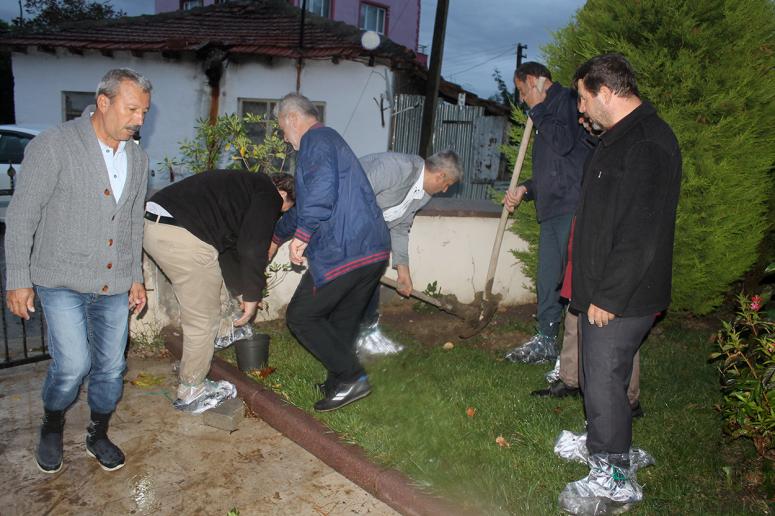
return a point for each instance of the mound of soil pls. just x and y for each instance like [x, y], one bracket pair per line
[509, 327]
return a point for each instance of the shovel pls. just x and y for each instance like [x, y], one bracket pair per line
[488, 300]
[447, 303]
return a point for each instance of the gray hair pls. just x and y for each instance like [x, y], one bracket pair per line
[110, 82]
[445, 161]
[297, 103]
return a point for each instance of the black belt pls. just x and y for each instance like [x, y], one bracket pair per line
[161, 219]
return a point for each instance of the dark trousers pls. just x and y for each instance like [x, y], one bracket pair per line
[371, 314]
[606, 363]
[325, 319]
[552, 254]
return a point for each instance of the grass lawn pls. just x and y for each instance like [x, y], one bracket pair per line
[415, 421]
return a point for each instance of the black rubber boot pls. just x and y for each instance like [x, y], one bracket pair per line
[99, 446]
[48, 456]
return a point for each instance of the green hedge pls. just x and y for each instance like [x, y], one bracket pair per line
[709, 68]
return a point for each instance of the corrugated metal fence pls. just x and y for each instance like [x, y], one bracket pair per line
[465, 129]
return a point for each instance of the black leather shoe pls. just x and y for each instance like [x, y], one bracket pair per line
[637, 410]
[344, 394]
[557, 390]
[327, 386]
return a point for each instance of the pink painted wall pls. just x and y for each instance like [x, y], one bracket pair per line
[403, 16]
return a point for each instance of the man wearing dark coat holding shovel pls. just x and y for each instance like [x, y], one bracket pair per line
[561, 145]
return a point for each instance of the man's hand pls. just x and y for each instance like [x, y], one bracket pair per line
[297, 251]
[272, 251]
[21, 301]
[514, 197]
[404, 280]
[137, 298]
[598, 316]
[533, 96]
[249, 309]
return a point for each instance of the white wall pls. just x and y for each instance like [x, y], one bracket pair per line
[450, 250]
[347, 88]
[181, 95]
[180, 92]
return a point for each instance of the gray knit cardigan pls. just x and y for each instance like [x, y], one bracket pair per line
[64, 228]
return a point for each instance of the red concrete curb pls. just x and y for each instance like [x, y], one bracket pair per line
[388, 485]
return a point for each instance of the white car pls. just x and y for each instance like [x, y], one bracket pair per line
[13, 140]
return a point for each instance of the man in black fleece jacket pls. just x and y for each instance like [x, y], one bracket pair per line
[207, 229]
[622, 264]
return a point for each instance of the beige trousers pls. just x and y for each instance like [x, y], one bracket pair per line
[569, 360]
[192, 267]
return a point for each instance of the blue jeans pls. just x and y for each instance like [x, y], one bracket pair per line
[552, 255]
[87, 336]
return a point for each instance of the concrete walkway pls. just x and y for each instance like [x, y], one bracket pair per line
[175, 464]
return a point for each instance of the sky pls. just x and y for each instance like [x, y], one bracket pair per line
[481, 34]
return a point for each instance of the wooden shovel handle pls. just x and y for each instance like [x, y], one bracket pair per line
[390, 282]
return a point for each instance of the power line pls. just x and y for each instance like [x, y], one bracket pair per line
[472, 55]
[480, 64]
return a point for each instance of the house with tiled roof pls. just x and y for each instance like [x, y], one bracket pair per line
[231, 57]
[398, 20]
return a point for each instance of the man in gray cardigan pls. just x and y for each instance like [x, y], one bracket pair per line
[74, 236]
[403, 184]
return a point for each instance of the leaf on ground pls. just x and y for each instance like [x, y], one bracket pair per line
[502, 442]
[263, 373]
[148, 380]
[470, 412]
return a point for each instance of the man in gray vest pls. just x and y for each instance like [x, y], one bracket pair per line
[403, 184]
[74, 236]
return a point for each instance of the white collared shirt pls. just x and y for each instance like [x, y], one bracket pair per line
[116, 164]
[415, 192]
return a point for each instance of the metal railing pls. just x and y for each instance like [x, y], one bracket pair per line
[23, 341]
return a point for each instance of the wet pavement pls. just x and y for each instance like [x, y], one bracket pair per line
[175, 464]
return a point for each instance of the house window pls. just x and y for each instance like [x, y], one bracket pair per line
[373, 17]
[190, 4]
[266, 108]
[319, 7]
[74, 102]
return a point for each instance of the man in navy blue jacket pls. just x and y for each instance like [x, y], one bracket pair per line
[560, 147]
[338, 225]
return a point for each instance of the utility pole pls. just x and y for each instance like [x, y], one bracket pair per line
[434, 79]
[521, 54]
[300, 60]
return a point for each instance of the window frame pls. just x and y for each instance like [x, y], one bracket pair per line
[375, 5]
[329, 16]
[184, 3]
[65, 94]
[290, 162]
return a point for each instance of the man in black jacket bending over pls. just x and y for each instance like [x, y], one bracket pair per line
[205, 230]
[622, 264]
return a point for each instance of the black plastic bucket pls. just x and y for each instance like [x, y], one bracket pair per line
[253, 352]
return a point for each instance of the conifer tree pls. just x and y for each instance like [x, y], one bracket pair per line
[708, 66]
